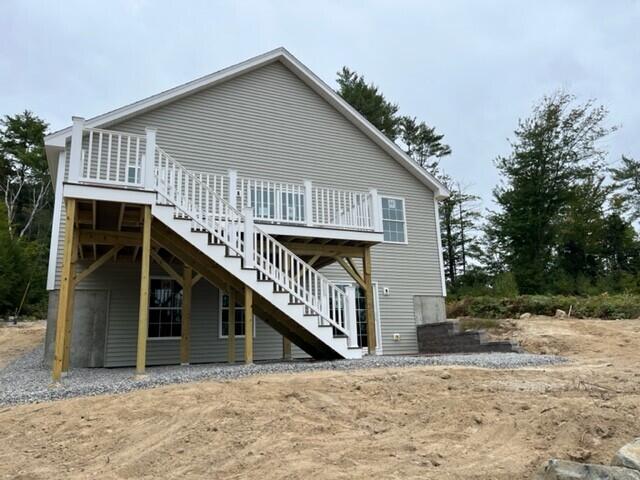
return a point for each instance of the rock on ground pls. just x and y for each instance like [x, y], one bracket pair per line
[628, 456]
[566, 470]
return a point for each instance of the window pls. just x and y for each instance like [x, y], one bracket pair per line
[393, 220]
[292, 206]
[277, 204]
[263, 202]
[361, 315]
[224, 318]
[165, 308]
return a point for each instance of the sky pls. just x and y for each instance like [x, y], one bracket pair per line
[469, 68]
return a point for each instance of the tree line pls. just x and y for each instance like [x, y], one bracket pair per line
[564, 221]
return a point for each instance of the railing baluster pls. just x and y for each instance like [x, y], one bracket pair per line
[108, 176]
[118, 159]
[137, 162]
[89, 152]
[99, 159]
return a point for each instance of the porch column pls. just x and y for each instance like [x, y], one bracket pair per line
[351, 316]
[75, 154]
[308, 202]
[149, 159]
[369, 301]
[185, 338]
[66, 288]
[66, 359]
[233, 188]
[143, 314]
[248, 325]
[376, 210]
[286, 348]
[231, 337]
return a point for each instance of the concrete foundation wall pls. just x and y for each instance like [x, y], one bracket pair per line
[88, 335]
[429, 309]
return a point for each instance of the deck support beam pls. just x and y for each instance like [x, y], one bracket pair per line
[231, 334]
[66, 288]
[369, 301]
[73, 282]
[248, 325]
[143, 314]
[286, 348]
[185, 338]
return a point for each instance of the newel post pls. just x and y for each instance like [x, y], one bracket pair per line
[149, 159]
[75, 155]
[376, 210]
[248, 237]
[233, 188]
[351, 316]
[308, 202]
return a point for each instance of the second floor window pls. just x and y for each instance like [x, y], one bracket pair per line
[393, 220]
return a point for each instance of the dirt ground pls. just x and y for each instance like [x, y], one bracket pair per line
[18, 339]
[424, 422]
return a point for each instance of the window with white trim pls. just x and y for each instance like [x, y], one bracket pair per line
[223, 323]
[393, 220]
[165, 308]
[269, 204]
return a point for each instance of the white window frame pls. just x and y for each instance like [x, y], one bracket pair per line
[161, 339]
[221, 293]
[404, 213]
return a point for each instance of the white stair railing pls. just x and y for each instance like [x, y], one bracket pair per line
[211, 212]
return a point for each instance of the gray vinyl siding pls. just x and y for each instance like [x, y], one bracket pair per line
[269, 124]
[122, 279]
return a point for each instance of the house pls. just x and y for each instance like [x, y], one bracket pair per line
[251, 214]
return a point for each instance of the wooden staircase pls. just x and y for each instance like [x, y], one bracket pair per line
[200, 227]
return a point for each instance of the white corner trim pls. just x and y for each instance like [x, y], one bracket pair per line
[301, 71]
[439, 243]
[55, 223]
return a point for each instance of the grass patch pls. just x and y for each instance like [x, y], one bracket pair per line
[602, 306]
[479, 324]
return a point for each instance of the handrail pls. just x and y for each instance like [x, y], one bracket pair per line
[213, 213]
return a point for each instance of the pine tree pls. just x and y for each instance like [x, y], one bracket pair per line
[423, 144]
[367, 100]
[556, 150]
[627, 179]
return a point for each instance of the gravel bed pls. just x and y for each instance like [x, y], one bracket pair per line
[27, 380]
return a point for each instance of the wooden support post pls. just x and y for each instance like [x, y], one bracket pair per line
[73, 281]
[231, 337]
[143, 314]
[248, 325]
[286, 348]
[185, 339]
[369, 301]
[65, 288]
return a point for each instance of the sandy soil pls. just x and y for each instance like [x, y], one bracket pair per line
[18, 339]
[426, 422]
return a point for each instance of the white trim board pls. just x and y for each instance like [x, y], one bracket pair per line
[57, 139]
[55, 224]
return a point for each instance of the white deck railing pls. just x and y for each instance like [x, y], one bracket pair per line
[211, 212]
[112, 157]
[118, 158]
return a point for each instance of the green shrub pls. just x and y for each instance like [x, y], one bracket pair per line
[600, 306]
